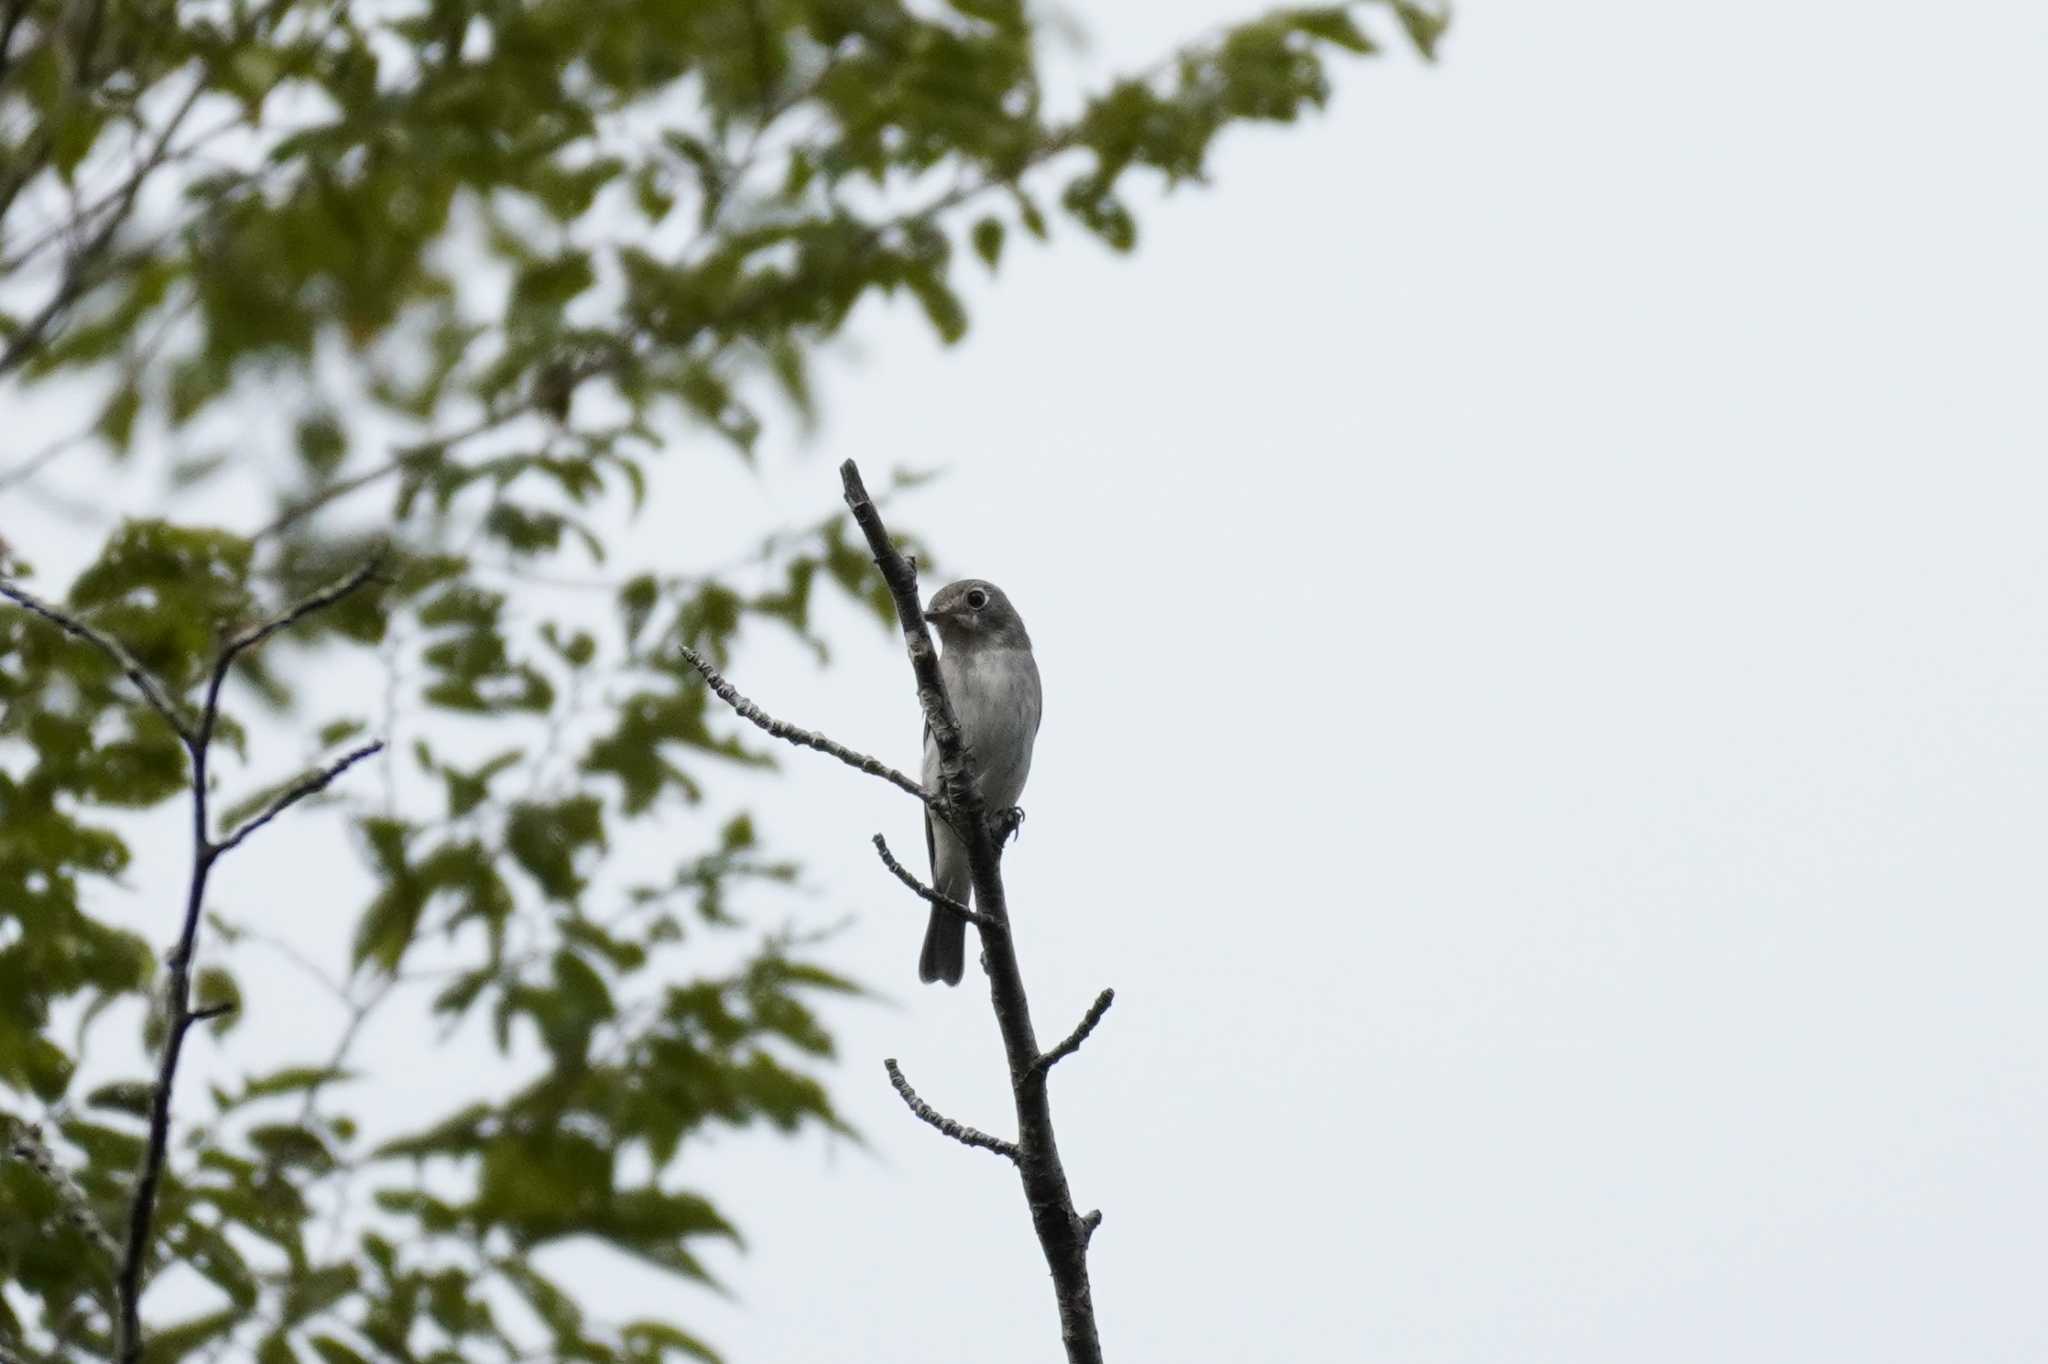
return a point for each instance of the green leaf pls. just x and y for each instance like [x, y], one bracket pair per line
[125, 1096]
[1332, 24]
[293, 1080]
[333, 1351]
[547, 286]
[322, 444]
[545, 839]
[291, 1144]
[213, 987]
[654, 1341]
[116, 423]
[170, 1344]
[1425, 25]
[276, 1349]
[988, 241]
[40, 1066]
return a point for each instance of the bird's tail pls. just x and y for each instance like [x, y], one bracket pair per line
[945, 948]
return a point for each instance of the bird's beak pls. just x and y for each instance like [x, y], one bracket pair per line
[934, 616]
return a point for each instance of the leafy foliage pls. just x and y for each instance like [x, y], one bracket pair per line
[446, 277]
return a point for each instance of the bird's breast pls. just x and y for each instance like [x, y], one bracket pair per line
[995, 693]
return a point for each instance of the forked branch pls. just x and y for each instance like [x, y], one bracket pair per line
[180, 1016]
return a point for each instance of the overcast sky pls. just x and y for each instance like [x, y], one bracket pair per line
[1538, 580]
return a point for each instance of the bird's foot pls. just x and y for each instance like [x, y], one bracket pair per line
[1006, 822]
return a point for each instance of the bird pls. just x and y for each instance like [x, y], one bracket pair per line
[992, 679]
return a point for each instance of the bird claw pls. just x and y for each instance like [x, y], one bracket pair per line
[1007, 822]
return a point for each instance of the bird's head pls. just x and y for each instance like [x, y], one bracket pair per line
[975, 612]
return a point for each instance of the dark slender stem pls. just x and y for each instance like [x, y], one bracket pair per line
[178, 1010]
[1062, 1233]
[298, 791]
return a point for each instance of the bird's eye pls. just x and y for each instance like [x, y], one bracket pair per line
[977, 599]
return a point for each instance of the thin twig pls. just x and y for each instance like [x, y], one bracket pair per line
[958, 1131]
[310, 786]
[78, 270]
[804, 738]
[925, 892]
[152, 691]
[1079, 1035]
[305, 507]
[320, 600]
[36, 463]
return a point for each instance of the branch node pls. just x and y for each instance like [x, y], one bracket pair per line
[1088, 1225]
[1079, 1035]
[960, 1132]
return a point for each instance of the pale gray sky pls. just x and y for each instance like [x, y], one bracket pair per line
[1538, 578]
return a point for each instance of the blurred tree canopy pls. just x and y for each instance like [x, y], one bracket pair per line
[445, 278]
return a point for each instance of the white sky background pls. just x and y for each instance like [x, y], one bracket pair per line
[1538, 581]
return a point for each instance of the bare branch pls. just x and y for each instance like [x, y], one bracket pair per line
[1089, 1224]
[298, 791]
[960, 1132]
[925, 892]
[900, 575]
[220, 1010]
[152, 691]
[1062, 1232]
[803, 738]
[1079, 1035]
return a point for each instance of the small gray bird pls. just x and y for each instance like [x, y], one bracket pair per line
[993, 681]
